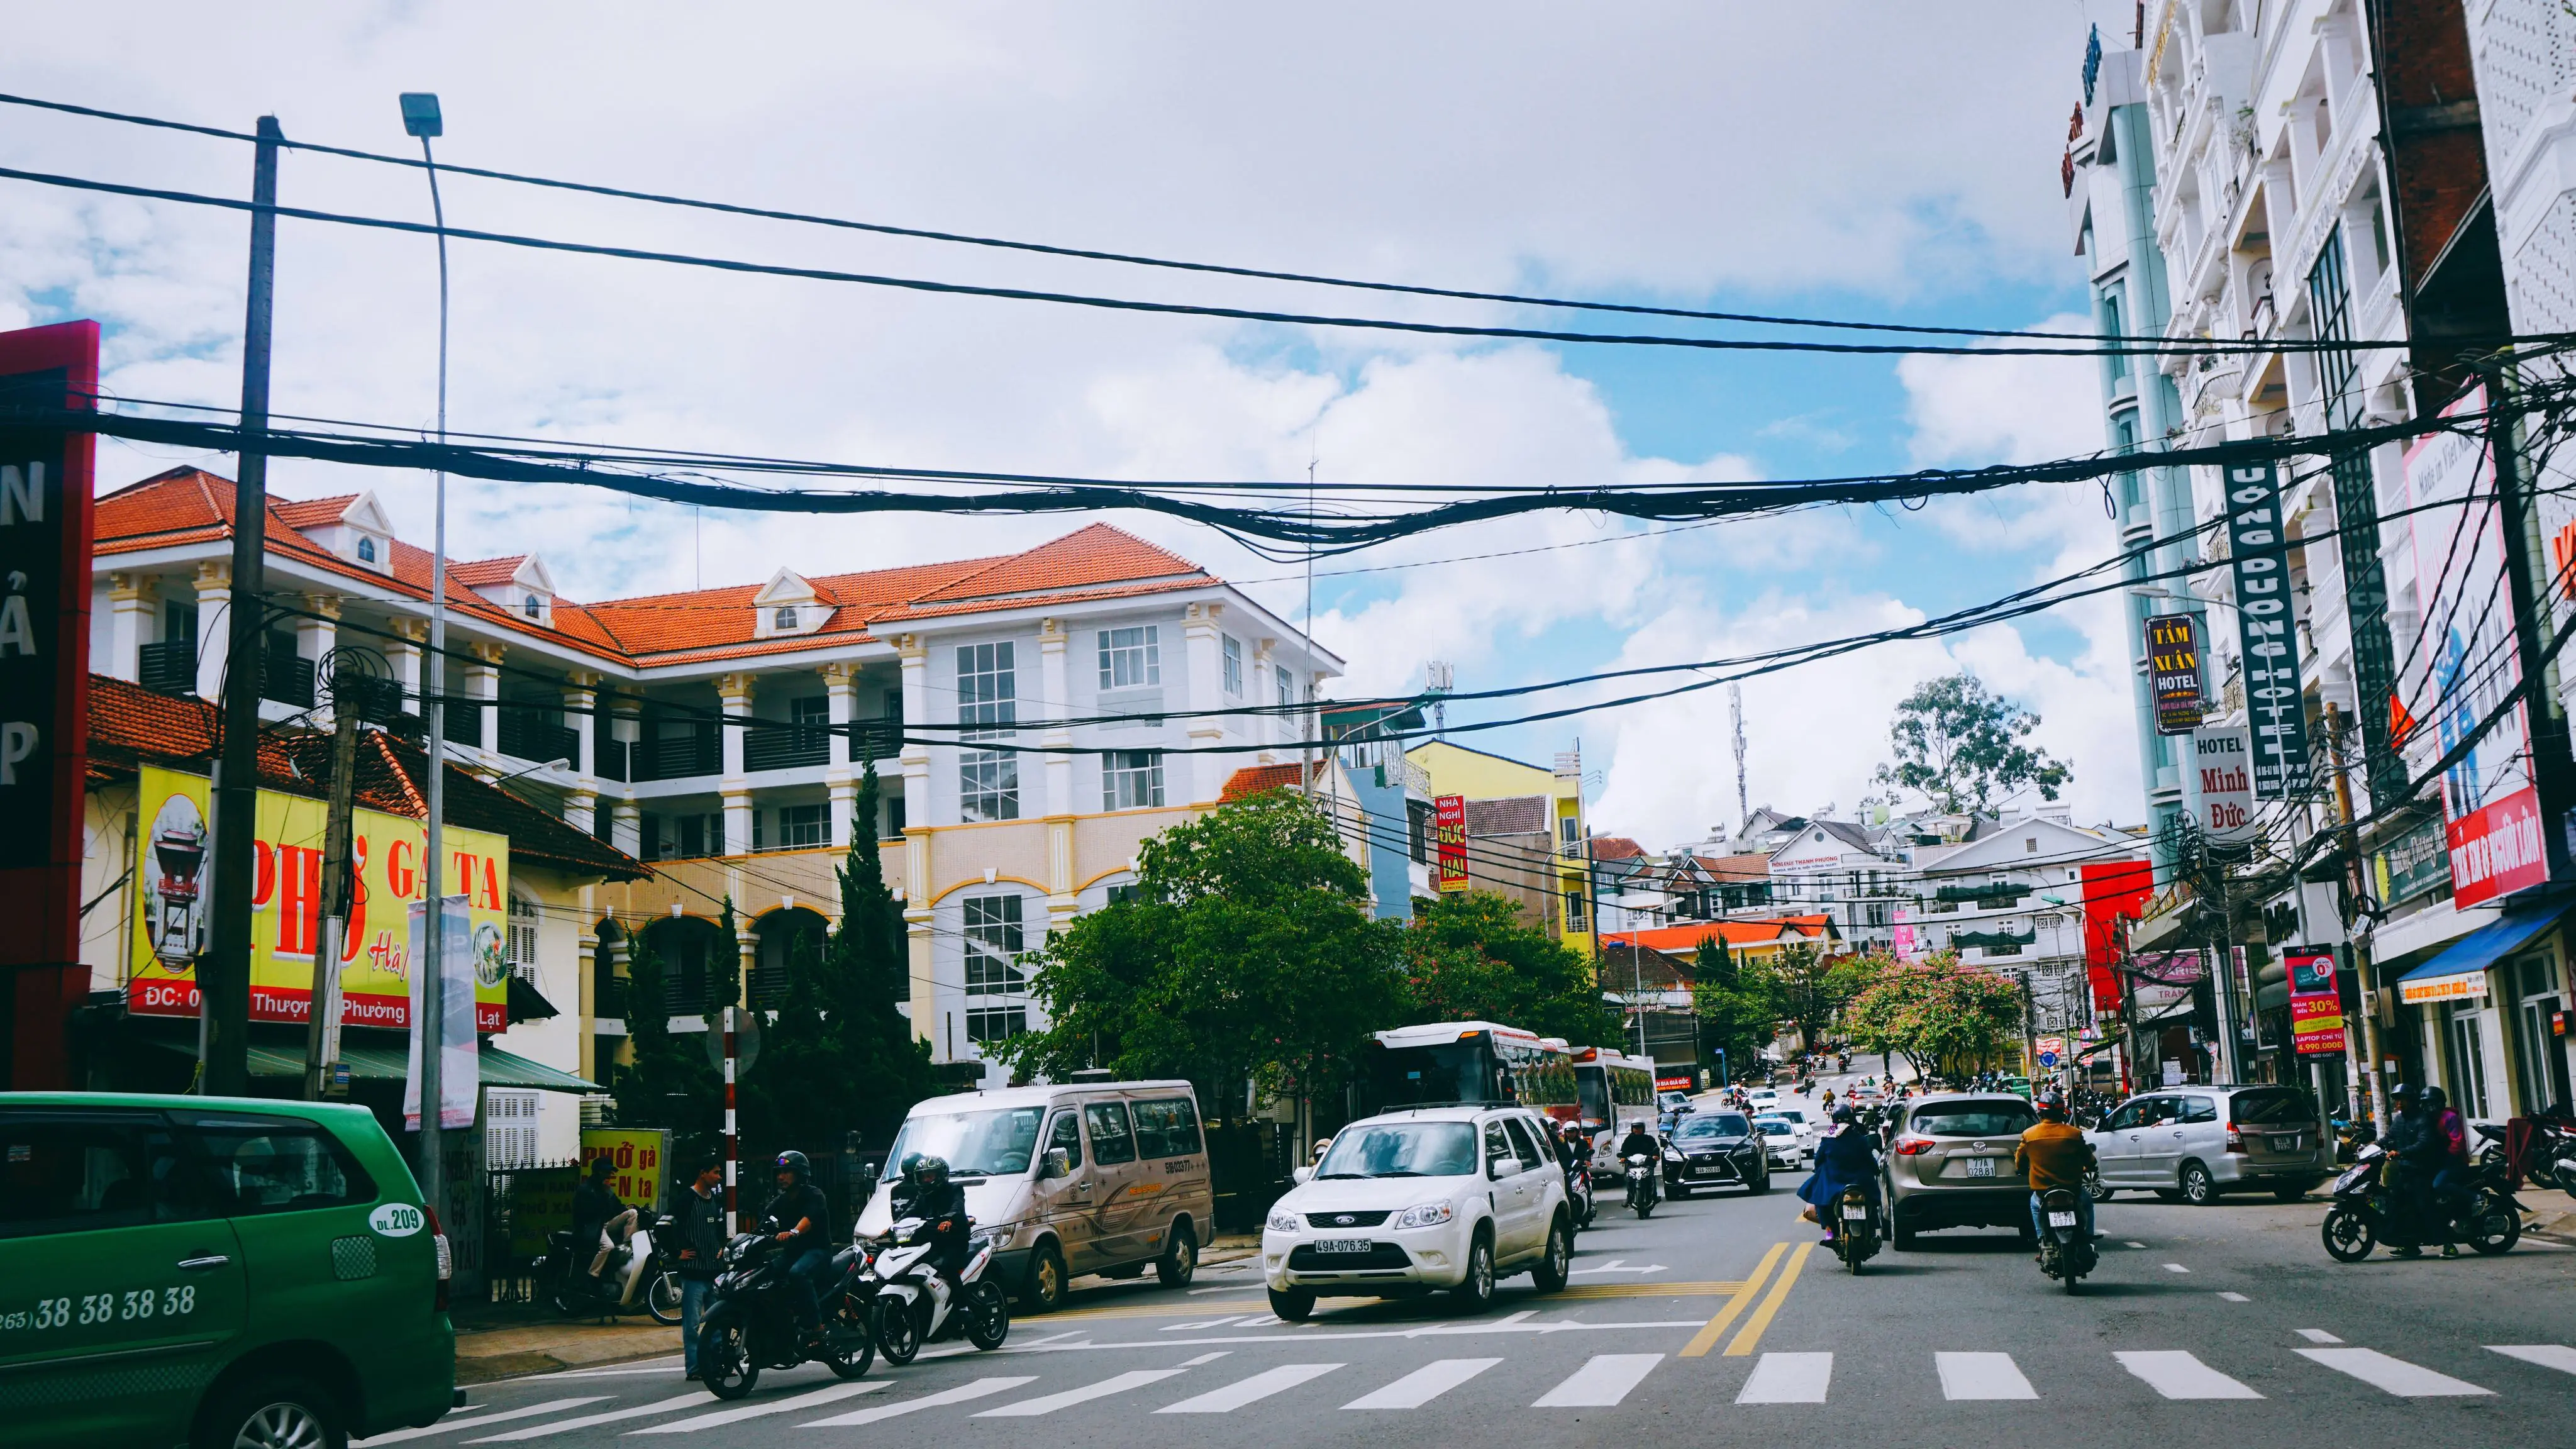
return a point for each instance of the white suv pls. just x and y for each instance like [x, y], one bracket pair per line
[1408, 1202]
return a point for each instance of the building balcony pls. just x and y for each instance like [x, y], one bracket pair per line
[775, 748]
[169, 667]
[287, 679]
[531, 736]
[676, 756]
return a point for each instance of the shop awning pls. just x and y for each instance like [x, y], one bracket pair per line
[391, 1062]
[2460, 972]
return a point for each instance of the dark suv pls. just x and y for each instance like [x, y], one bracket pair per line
[1950, 1164]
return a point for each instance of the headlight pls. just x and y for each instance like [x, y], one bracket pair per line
[1284, 1221]
[1428, 1215]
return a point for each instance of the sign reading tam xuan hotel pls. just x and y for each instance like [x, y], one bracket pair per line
[2173, 672]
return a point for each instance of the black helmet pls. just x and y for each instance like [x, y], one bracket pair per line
[1843, 1115]
[601, 1166]
[2435, 1100]
[929, 1171]
[2402, 1092]
[793, 1161]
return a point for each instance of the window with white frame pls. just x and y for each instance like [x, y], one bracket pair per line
[366, 550]
[523, 939]
[1130, 658]
[989, 1025]
[988, 690]
[784, 618]
[509, 1126]
[1131, 779]
[1233, 654]
[993, 940]
[1287, 688]
[988, 785]
[800, 826]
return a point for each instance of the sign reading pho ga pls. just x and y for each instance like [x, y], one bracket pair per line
[2173, 672]
[2267, 632]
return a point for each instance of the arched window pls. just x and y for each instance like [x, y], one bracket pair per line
[535, 607]
[366, 549]
[786, 618]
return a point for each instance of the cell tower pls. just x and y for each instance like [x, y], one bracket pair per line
[1439, 676]
[1735, 707]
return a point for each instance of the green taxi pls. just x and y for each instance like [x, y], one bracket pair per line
[222, 1273]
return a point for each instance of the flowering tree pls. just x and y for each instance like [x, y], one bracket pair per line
[1945, 1018]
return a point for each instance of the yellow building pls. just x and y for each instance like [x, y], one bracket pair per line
[1476, 775]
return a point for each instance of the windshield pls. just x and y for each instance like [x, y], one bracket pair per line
[1402, 1149]
[998, 1143]
[1720, 1124]
[1592, 1088]
[1774, 1127]
[1973, 1119]
[1790, 1115]
[2273, 1107]
[1456, 1071]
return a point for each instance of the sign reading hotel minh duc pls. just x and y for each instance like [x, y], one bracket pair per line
[176, 898]
[2173, 672]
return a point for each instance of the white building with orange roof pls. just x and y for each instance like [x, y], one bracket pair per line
[1031, 716]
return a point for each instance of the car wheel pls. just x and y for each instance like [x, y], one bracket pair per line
[1900, 1233]
[273, 1412]
[1556, 1261]
[2095, 1189]
[1293, 1305]
[1180, 1260]
[1760, 1184]
[1476, 1291]
[2198, 1187]
[1044, 1290]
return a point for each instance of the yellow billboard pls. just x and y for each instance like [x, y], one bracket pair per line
[173, 907]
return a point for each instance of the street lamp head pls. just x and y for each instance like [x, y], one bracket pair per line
[420, 114]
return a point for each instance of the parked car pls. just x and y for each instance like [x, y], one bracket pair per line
[2193, 1144]
[1949, 1164]
[214, 1271]
[1091, 1177]
[1419, 1200]
[1715, 1149]
[1782, 1143]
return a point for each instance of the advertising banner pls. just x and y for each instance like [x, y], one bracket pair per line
[2461, 664]
[1449, 829]
[2413, 863]
[2224, 761]
[460, 1068]
[2267, 633]
[640, 1155]
[174, 868]
[2174, 672]
[2316, 1006]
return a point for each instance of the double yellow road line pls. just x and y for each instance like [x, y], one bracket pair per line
[1751, 1333]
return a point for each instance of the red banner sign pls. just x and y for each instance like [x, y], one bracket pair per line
[2496, 849]
[2316, 1006]
[1449, 825]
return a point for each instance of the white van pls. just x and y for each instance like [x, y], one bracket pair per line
[1091, 1177]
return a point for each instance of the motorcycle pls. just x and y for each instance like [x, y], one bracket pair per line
[2066, 1251]
[1579, 1201]
[750, 1322]
[2484, 1216]
[2548, 1158]
[1855, 1238]
[1645, 1184]
[911, 1304]
[632, 1281]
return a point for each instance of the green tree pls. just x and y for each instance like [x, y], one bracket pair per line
[1944, 1017]
[1808, 990]
[1738, 1009]
[1248, 953]
[1472, 958]
[668, 1083]
[1962, 748]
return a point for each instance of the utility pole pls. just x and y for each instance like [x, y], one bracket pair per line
[322, 1028]
[2550, 763]
[223, 972]
[421, 118]
[2368, 1076]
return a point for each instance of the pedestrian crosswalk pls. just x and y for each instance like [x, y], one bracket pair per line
[1055, 1384]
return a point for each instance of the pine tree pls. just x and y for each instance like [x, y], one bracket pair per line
[669, 1083]
[883, 1069]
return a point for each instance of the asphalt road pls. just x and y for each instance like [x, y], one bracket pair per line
[1716, 1316]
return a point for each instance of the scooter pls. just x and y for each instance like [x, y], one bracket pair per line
[2485, 1216]
[1855, 1238]
[750, 1322]
[1645, 1184]
[626, 1285]
[911, 1303]
[2066, 1251]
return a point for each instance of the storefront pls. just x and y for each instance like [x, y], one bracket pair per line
[2489, 1014]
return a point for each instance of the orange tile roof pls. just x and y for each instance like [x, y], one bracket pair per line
[1097, 554]
[484, 572]
[1615, 847]
[1686, 937]
[311, 512]
[1254, 780]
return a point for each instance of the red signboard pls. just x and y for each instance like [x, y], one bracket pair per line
[1449, 825]
[2114, 891]
[2316, 1006]
[44, 689]
[2496, 849]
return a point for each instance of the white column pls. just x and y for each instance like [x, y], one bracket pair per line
[483, 684]
[314, 639]
[214, 627]
[1055, 680]
[581, 810]
[840, 687]
[129, 617]
[1205, 774]
[1263, 689]
[626, 827]
[581, 702]
[914, 656]
[403, 657]
[734, 690]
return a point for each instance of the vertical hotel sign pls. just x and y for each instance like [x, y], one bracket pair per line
[2267, 633]
[44, 689]
[1449, 835]
[2173, 672]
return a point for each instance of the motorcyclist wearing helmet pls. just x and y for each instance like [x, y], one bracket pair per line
[927, 1194]
[1846, 1157]
[2449, 1154]
[801, 1221]
[2053, 1153]
[2415, 1153]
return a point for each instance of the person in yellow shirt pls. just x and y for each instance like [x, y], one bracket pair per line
[2053, 1153]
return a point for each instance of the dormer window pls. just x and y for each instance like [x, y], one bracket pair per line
[786, 618]
[534, 608]
[786, 606]
[366, 549]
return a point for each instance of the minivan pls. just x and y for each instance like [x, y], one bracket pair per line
[216, 1272]
[1091, 1177]
[2195, 1143]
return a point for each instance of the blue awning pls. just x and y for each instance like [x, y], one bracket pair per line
[2460, 972]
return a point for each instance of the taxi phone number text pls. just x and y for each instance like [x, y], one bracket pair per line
[94, 1308]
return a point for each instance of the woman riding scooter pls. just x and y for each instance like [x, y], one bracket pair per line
[1846, 1157]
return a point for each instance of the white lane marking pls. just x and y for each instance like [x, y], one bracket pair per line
[815, 1400]
[1049, 1403]
[1981, 1376]
[1602, 1382]
[1265, 1320]
[1619, 1265]
[2235, 1297]
[2548, 1355]
[663, 1366]
[1509, 1319]
[1220, 1288]
[1205, 1358]
[1252, 1390]
[1789, 1378]
[1195, 1327]
[2176, 1268]
[2396, 1375]
[2318, 1335]
[1051, 1338]
[684, 1401]
[2131, 1243]
[1423, 1384]
[1318, 1331]
[2179, 1375]
[963, 1393]
[531, 1411]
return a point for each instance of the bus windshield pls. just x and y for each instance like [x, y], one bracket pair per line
[1592, 1082]
[1451, 1071]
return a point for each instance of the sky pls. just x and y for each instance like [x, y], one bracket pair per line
[1822, 159]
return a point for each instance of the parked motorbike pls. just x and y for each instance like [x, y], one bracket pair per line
[2483, 1215]
[2548, 1159]
[911, 1303]
[1645, 1184]
[2066, 1251]
[1855, 1238]
[750, 1318]
[630, 1283]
